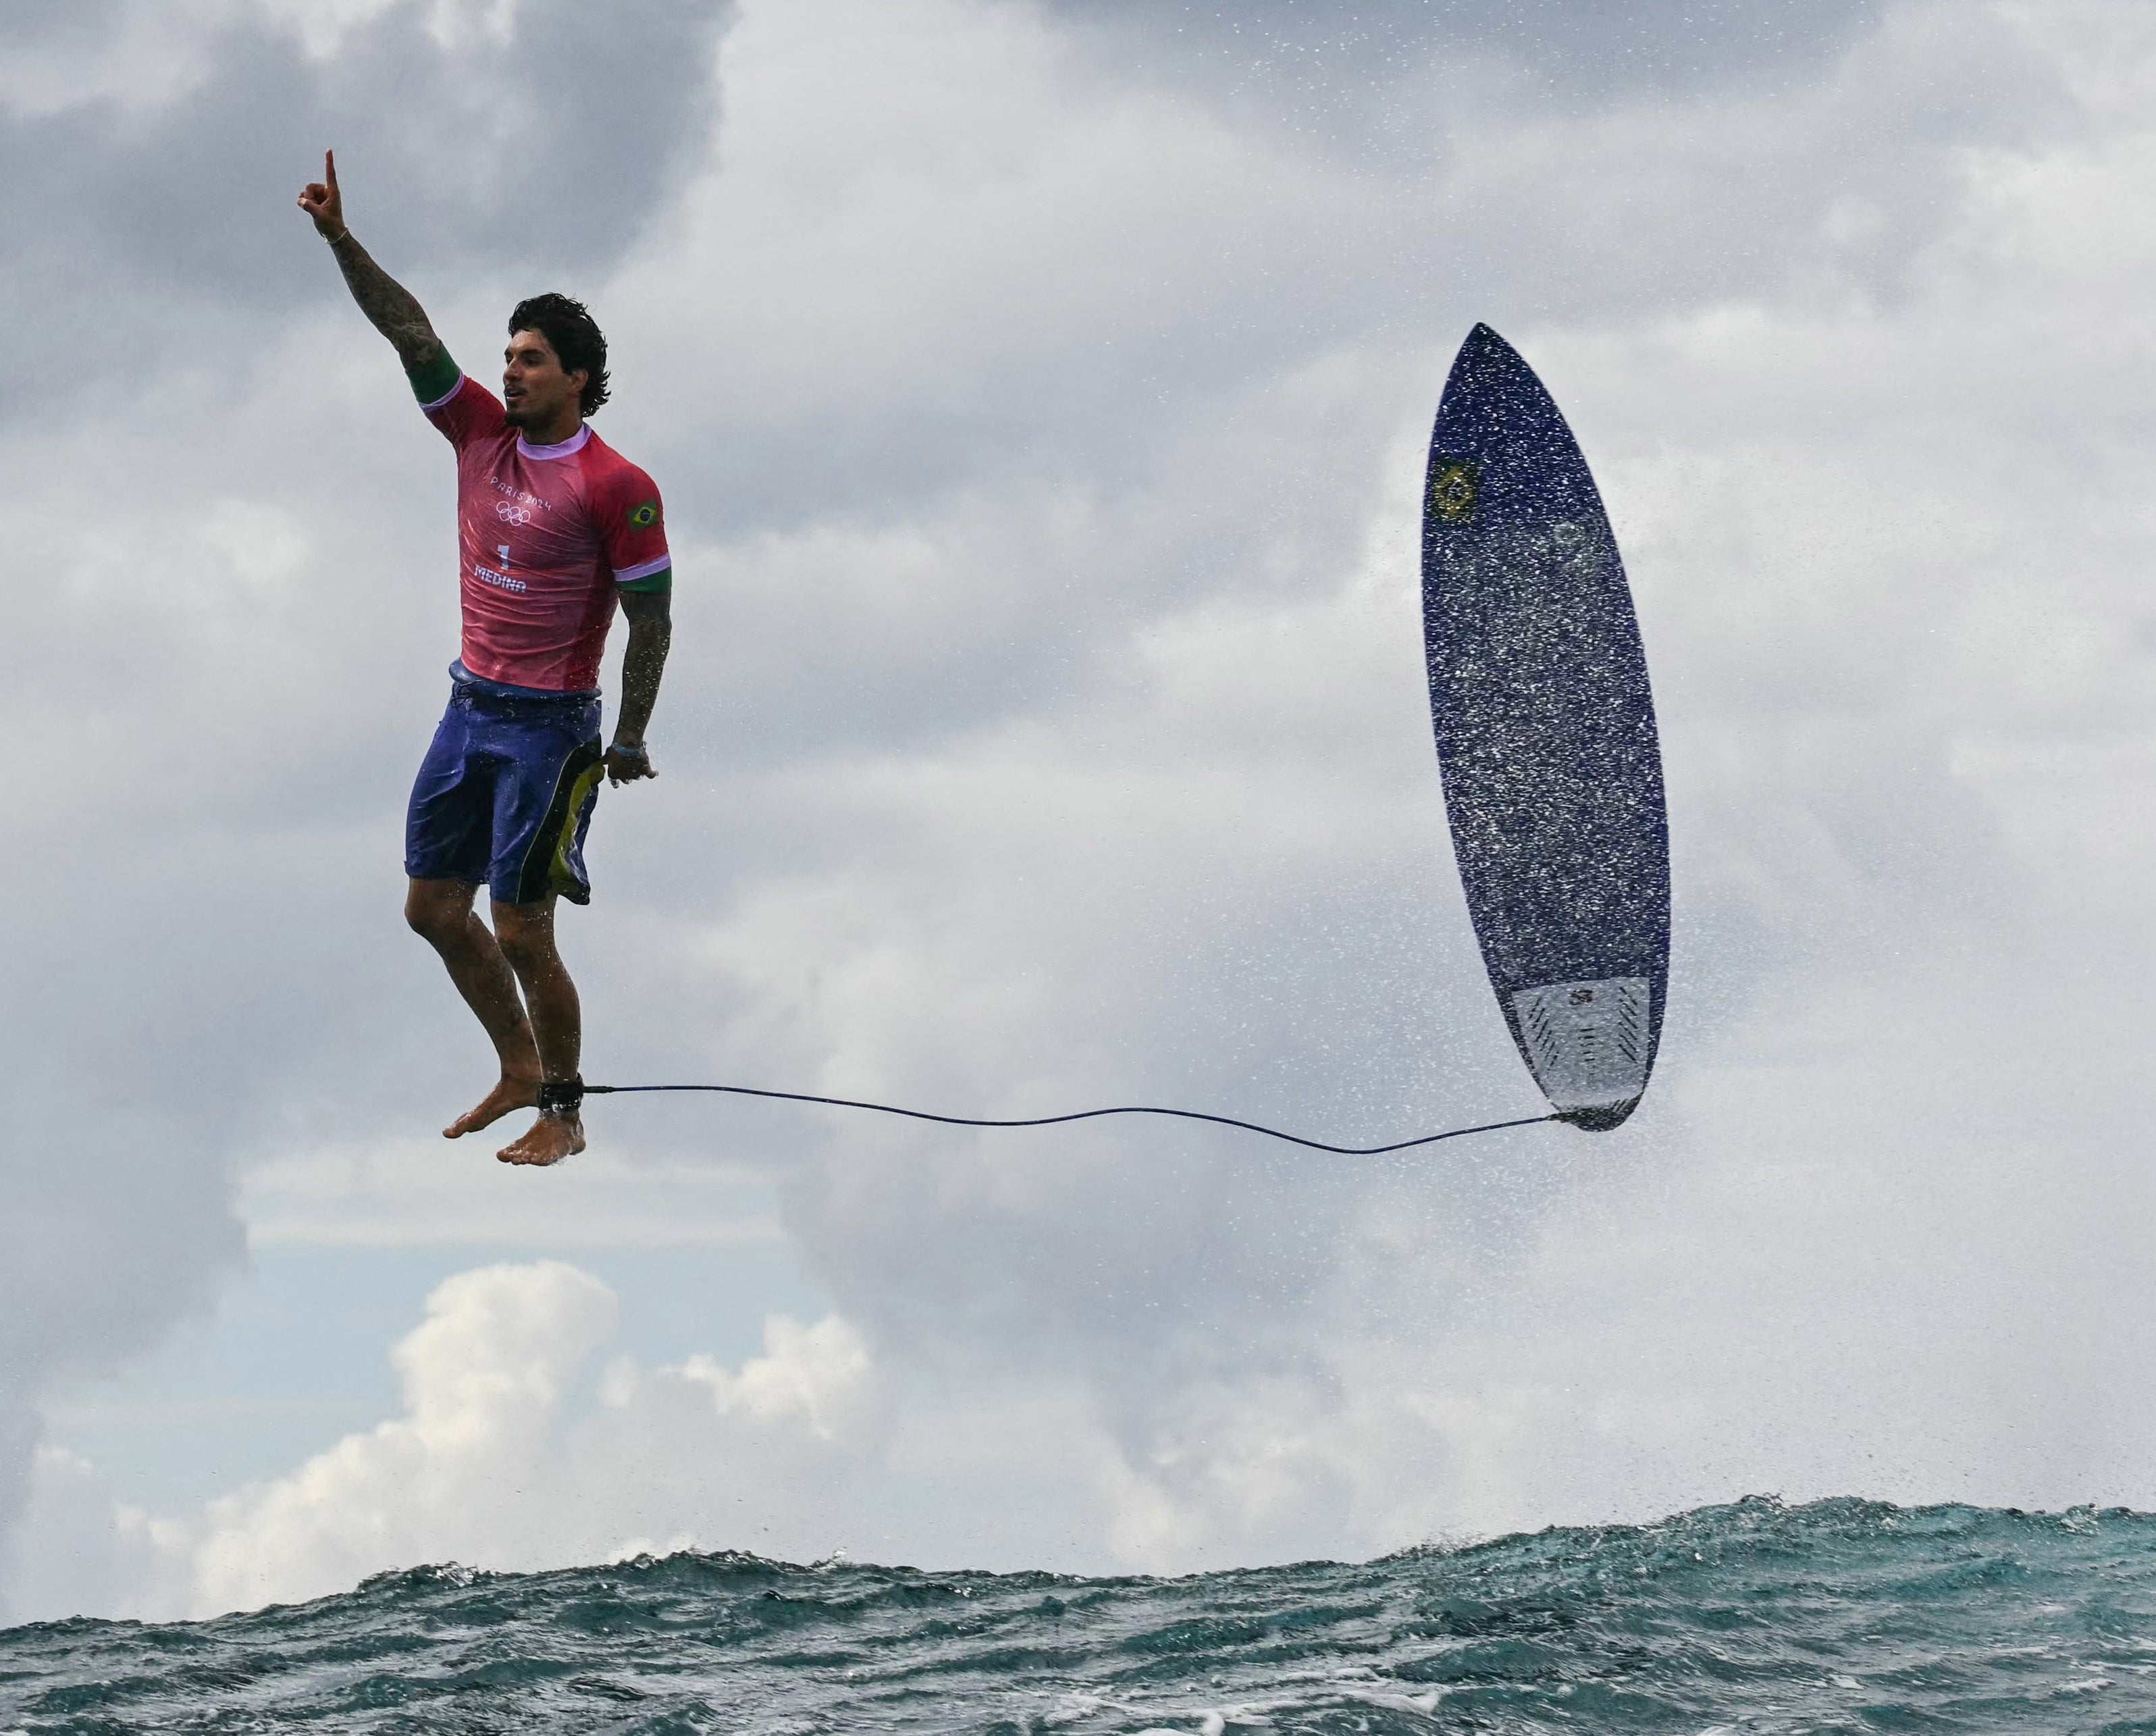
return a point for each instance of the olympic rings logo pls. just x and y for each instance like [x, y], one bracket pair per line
[512, 515]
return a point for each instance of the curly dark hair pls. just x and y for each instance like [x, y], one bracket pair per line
[567, 324]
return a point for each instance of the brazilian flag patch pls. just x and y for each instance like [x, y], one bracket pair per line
[645, 516]
[1453, 484]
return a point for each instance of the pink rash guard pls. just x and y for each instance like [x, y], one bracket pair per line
[548, 534]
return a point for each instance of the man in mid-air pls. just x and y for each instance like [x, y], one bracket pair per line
[556, 529]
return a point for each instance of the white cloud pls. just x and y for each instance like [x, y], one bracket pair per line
[515, 1448]
[812, 1376]
[502, 1455]
[484, 1379]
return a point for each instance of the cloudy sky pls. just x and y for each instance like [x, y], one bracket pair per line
[1039, 391]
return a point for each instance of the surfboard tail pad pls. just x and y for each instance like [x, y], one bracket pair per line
[1588, 1044]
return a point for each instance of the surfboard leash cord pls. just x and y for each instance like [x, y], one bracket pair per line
[565, 1101]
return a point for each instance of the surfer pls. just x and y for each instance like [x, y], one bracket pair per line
[555, 529]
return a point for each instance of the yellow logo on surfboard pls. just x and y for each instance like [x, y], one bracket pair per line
[1453, 484]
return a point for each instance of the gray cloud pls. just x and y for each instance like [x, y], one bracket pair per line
[1662, 42]
[1831, 184]
[170, 221]
[1359, 79]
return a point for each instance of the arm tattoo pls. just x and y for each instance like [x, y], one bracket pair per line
[391, 308]
[650, 632]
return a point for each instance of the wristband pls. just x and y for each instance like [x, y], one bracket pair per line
[344, 234]
[639, 751]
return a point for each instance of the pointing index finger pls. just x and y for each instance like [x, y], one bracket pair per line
[329, 169]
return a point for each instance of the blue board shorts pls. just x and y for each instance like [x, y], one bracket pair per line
[505, 793]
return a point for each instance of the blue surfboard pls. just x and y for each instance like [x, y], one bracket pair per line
[1546, 736]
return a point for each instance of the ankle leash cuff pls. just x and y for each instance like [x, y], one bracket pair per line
[561, 1096]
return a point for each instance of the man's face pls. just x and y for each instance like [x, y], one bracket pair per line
[535, 392]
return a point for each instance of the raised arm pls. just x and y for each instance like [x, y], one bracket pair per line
[395, 314]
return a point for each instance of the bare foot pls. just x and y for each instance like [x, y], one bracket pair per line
[552, 1138]
[511, 1094]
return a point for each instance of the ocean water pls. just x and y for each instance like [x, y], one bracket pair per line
[1839, 1616]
